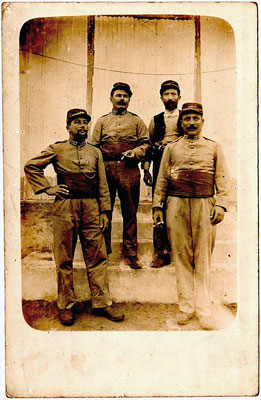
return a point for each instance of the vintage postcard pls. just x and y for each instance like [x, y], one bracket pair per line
[130, 199]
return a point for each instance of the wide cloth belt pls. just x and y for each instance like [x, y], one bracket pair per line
[191, 184]
[81, 185]
[113, 151]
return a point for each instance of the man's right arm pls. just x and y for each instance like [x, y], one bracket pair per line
[148, 156]
[161, 188]
[162, 183]
[34, 170]
[95, 138]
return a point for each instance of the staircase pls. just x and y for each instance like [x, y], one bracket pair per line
[146, 285]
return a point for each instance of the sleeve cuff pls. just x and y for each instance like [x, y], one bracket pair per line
[42, 190]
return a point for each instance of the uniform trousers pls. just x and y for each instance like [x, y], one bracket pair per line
[73, 217]
[124, 177]
[192, 238]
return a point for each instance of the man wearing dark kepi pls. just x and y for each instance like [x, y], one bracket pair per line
[123, 140]
[194, 183]
[163, 129]
[81, 207]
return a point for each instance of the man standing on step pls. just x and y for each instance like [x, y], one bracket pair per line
[81, 205]
[163, 129]
[193, 182]
[123, 140]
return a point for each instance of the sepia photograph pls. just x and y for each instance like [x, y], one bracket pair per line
[99, 68]
[132, 199]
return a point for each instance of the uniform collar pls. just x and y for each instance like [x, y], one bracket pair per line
[119, 112]
[193, 138]
[76, 144]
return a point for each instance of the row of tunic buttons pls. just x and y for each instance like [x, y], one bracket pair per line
[79, 162]
[118, 125]
[192, 147]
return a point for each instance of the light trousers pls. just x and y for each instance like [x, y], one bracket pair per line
[192, 238]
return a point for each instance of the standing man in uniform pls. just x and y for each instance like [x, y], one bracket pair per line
[81, 206]
[163, 129]
[194, 183]
[123, 140]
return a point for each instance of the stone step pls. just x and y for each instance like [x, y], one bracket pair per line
[224, 251]
[225, 230]
[145, 207]
[145, 285]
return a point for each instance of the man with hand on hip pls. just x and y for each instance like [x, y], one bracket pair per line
[81, 207]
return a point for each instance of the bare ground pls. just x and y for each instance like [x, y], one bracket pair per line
[44, 315]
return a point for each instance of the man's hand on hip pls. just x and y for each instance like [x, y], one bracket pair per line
[217, 215]
[104, 221]
[147, 178]
[58, 190]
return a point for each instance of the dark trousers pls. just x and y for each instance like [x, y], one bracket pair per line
[73, 217]
[155, 170]
[124, 178]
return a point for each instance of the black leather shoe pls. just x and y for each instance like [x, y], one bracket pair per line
[109, 312]
[161, 260]
[66, 317]
[133, 262]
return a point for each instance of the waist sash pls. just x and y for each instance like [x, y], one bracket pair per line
[112, 151]
[81, 185]
[191, 184]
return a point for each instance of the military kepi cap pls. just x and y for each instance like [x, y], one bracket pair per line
[169, 85]
[77, 113]
[121, 86]
[192, 107]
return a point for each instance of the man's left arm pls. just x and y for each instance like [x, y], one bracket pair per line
[104, 194]
[95, 137]
[142, 142]
[223, 185]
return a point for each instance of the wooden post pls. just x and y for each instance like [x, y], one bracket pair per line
[197, 63]
[90, 61]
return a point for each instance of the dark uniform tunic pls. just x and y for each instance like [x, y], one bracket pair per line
[81, 168]
[193, 177]
[114, 134]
